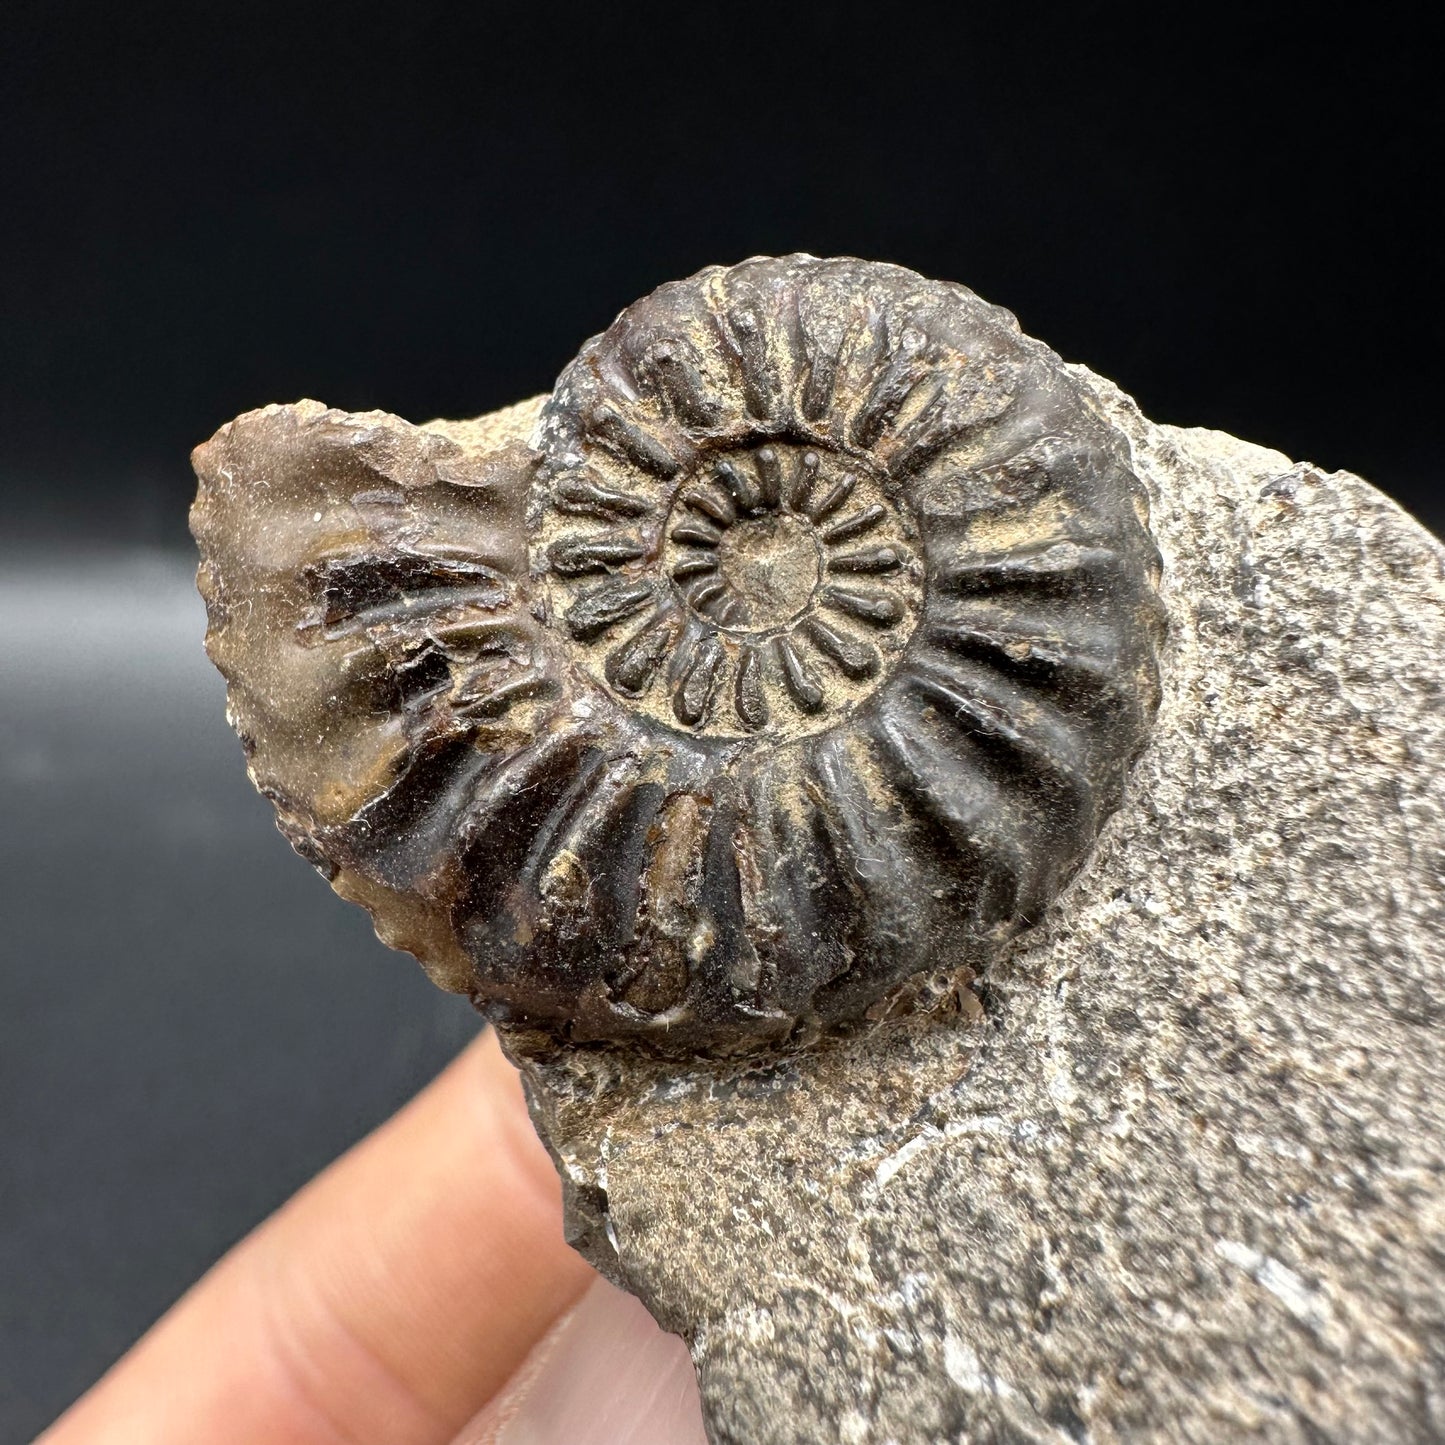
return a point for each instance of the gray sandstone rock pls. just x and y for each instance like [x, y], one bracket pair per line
[1177, 1176]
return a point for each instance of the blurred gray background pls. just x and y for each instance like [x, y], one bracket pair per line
[427, 209]
[191, 1024]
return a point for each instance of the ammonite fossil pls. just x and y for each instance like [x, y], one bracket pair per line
[797, 645]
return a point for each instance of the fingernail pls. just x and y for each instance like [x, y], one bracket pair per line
[605, 1374]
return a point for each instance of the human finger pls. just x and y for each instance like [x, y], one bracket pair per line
[382, 1305]
[604, 1374]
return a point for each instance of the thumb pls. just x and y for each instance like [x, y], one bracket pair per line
[605, 1374]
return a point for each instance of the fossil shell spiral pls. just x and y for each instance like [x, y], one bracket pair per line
[800, 648]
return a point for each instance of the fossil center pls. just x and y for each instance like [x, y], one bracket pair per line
[765, 590]
[771, 565]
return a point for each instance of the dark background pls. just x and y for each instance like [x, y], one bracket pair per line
[427, 208]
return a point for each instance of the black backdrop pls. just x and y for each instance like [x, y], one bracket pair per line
[426, 208]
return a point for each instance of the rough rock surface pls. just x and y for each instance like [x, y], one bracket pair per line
[1175, 1173]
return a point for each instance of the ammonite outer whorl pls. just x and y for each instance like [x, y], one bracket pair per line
[803, 648]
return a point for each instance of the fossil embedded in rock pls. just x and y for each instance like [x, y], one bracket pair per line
[797, 644]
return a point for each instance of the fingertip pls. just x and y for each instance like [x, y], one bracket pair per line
[605, 1374]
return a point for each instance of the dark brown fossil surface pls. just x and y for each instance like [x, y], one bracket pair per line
[774, 672]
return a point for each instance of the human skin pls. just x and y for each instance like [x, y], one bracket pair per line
[385, 1304]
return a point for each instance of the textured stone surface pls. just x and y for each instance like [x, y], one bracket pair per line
[1179, 1178]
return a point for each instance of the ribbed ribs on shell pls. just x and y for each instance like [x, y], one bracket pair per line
[800, 648]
